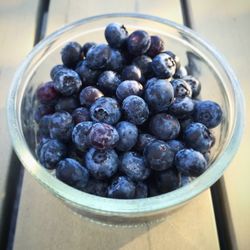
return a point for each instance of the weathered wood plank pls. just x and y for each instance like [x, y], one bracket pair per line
[45, 223]
[75, 10]
[17, 29]
[50, 225]
[226, 25]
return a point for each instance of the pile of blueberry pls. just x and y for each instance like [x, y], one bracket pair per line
[123, 120]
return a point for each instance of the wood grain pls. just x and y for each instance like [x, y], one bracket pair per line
[48, 224]
[17, 29]
[226, 25]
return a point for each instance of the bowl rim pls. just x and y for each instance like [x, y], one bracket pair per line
[135, 207]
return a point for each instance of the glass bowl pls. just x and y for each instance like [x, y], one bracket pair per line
[218, 84]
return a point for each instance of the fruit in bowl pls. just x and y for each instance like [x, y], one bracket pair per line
[124, 123]
[66, 139]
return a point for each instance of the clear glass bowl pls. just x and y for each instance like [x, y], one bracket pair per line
[218, 83]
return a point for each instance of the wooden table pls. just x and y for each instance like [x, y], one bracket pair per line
[45, 223]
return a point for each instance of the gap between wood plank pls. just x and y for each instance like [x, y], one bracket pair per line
[15, 176]
[219, 199]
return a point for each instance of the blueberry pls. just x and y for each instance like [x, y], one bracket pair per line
[208, 112]
[96, 187]
[138, 42]
[167, 180]
[42, 110]
[43, 125]
[103, 136]
[117, 61]
[68, 104]
[141, 190]
[101, 164]
[80, 135]
[163, 65]
[67, 82]
[108, 81]
[156, 46]
[190, 162]
[61, 126]
[50, 152]
[180, 73]
[135, 109]
[105, 109]
[176, 145]
[98, 56]
[182, 107]
[121, 188]
[87, 75]
[194, 84]
[116, 35]
[198, 136]
[46, 93]
[143, 140]
[134, 166]
[71, 54]
[159, 94]
[89, 95]
[86, 47]
[55, 70]
[128, 134]
[80, 115]
[164, 126]
[127, 88]
[144, 64]
[175, 57]
[159, 155]
[181, 88]
[72, 173]
[132, 72]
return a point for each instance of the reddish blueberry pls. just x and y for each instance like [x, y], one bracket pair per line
[46, 93]
[103, 136]
[138, 42]
[89, 95]
[156, 46]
